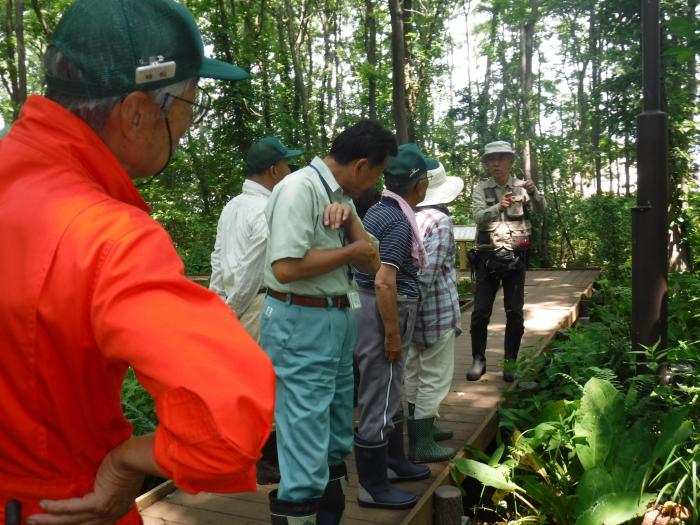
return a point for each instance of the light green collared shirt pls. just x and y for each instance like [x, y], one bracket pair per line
[295, 221]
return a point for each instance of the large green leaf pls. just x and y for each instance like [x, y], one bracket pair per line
[615, 508]
[489, 476]
[593, 485]
[632, 458]
[599, 419]
[675, 430]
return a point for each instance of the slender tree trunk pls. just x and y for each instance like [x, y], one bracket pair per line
[263, 63]
[371, 49]
[40, 18]
[628, 162]
[222, 35]
[527, 45]
[411, 87]
[292, 102]
[501, 102]
[692, 61]
[423, 81]
[484, 101]
[398, 72]
[594, 51]
[21, 53]
[11, 81]
[296, 39]
[325, 76]
[339, 97]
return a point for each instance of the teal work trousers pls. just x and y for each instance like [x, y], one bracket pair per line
[311, 350]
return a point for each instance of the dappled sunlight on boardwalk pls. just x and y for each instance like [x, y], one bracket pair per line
[551, 299]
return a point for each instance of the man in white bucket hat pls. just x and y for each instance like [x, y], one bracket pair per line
[501, 212]
[430, 361]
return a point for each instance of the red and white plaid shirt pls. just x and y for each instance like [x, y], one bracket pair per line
[438, 312]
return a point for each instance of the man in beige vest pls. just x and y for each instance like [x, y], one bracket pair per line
[501, 211]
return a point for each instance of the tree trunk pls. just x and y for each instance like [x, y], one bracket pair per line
[371, 49]
[40, 18]
[325, 76]
[291, 103]
[594, 51]
[628, 162]
[339, 97]
[263, 64]
[21, 54]
[527, 44]
[398, 79]
[296, 39]
[409, 80]
[484, 102]
[692, 61]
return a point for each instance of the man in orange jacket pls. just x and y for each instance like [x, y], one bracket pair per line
[92, 285]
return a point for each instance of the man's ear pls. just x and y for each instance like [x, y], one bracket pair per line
[136, 114]
[359, 164]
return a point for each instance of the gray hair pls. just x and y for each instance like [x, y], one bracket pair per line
[400, 186]
[95, 111]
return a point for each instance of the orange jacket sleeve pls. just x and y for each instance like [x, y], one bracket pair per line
[212, 384]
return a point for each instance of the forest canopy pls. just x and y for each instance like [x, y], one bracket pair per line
[560, 80]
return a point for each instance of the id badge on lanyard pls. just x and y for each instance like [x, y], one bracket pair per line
[354, 300]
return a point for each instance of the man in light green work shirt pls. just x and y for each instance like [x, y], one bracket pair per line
[307, 328]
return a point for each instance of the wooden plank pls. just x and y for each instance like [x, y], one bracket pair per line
[155, 494]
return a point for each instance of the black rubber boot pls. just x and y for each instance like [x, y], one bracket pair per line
[478, 368]
[374, 489]
[439, 434]
[331, 507]
[398, 467]
[479, 334]
[268, 468]
[285, 512]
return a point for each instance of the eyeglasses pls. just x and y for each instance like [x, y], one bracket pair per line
[200, 106]
[498, 157]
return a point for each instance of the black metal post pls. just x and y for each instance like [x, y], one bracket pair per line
[650, 216]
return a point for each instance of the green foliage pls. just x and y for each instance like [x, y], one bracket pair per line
[601, 235]
[138, 405]
[602, 438]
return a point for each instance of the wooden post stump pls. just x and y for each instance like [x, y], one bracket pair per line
[447, 506]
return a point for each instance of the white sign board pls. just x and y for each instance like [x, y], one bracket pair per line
[465, 233]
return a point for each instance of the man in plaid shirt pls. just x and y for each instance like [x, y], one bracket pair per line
[430, 361]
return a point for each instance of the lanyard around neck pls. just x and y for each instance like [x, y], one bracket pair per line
[341, 231]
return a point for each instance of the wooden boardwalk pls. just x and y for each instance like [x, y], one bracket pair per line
[551, 301]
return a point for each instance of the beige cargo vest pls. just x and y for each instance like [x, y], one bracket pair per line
[511, 230]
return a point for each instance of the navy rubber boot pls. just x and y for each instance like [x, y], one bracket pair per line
[398, 467]
[331, 507]
[286, 512]
[374, 489]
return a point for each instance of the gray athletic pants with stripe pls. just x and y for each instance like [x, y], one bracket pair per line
[381, 382]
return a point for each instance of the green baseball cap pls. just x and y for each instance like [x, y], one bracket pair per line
[122, 46]
[409, 163]
[266, 152]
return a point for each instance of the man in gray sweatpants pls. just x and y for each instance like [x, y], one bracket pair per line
[385, 326]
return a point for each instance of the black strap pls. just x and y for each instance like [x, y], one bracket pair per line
[341, 231]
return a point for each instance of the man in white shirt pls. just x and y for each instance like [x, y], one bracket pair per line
[238, 258]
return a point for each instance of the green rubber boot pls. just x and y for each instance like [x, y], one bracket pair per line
[421, 444]
[439, 434]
